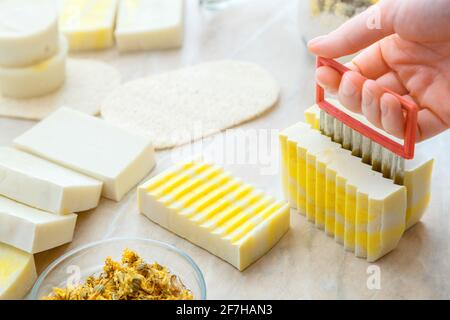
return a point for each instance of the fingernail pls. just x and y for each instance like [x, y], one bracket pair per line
[348, 88]
[368, 97]
[316, 40]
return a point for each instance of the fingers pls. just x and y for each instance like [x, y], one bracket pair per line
[370, 102]
[370, 62]
[390, 81]
[357, 33]
[350, 90]
[328, 78]
[392, 118]
[429, 125]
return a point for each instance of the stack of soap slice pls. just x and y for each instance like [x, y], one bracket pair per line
[357, 206]
[32, 55]
[149, 24]
[417, 175]
[88, 24]
[17, 272]
[74, 159]
[207, 206]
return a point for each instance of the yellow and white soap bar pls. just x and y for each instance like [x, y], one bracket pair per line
[44, 185]
[33, 230]
[88, 24]
[335, 190]
[35, 80]
[149, 24]
[207, 206]
[28, 32]
[418, 171]
[92, 147]
[17, 272]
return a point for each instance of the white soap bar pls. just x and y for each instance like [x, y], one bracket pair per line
[93, 147]
[35, 80]
[149, 24]
[17, 272]
[28, 32]
[33, 230]
[88, 24]
[44, 185]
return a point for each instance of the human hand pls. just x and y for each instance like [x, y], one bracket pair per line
[409, 54]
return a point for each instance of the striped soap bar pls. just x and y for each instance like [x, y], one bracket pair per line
[209, 207]
[340, 194]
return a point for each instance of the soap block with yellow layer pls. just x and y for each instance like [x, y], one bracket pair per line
[17, 272]
[207, 206]
[418, 171]
[335, 190]
[88, 24]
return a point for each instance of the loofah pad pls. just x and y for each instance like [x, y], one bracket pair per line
[87, 83]
[184, 105]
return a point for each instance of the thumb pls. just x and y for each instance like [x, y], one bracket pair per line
[358, 33]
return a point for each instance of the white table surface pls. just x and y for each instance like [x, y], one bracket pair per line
[305, 264]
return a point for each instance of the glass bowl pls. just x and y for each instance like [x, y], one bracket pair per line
[78, 264]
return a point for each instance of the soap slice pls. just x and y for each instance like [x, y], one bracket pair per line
[207, 206]
[33, 230]
[88, 24]
[356, 205]
[28, 32]
[44, 185]
[92, 147]
[149, 25]
[35, 80]
[418, 171]
[17, 272]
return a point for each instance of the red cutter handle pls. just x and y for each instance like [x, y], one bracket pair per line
[406, 150]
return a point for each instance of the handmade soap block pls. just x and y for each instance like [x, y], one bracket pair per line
[88, 24]
[28, 32]
[207, 206]
[33, 230]
[17, 272]
[149, 24]
[418, 171]
[335, 190]
[35, 80]
[92, 147]
[44, 185]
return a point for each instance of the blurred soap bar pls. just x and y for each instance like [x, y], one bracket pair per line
[92, 147]
[149, 24]
[28, 32]
[88, 24]
[44, 185]
[36, 80]
[17, 272]
[33, 230]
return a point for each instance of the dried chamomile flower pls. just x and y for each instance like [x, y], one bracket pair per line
[130, 279]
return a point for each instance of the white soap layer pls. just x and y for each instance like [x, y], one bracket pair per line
[149, 24]
[28, 32]
[33, 230]
[17, 272]
[92, 147]
[88, 24]
[35, 80]
[41, 184]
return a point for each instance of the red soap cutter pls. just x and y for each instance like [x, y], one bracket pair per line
[406, 150]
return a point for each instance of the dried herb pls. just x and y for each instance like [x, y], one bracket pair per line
[130, 279]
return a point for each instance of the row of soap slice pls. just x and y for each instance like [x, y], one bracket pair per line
[60, 166]
[140, 24]
[417, 175]
[32, 54]
[209, 207]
